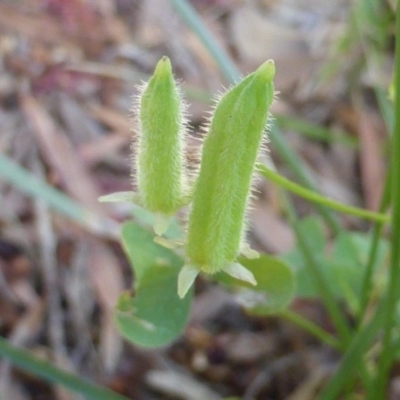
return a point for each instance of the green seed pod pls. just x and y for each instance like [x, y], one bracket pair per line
[217, 219]
[160, 169]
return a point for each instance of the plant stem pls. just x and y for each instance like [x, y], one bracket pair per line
[373, 251]
[23, 359]
[297, 166]
[317, 198]
[386, 357]
[326, 294]
[311, 328]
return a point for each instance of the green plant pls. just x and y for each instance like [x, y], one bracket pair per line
[215, 234]
[359, 278]
[360, 258]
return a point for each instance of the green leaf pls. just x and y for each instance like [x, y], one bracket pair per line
[347, 265]
[313, 230]
[155, 315]
[52, 373]
[275, 285]
[343, 267]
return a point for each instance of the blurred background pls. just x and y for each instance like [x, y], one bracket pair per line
[68, 74]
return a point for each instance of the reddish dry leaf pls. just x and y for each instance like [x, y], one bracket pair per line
[105, 274]
[107, 280]
[372, 165]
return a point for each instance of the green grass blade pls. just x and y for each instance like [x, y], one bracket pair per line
[352, 361]
[386, 357]
[32, 186]
[192, 19]
[296, 165]
[51, 373]
[373, 252]
[314, 131]
[311, 328]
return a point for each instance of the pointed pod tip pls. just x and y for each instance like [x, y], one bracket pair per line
[267, 70]
[163, 66]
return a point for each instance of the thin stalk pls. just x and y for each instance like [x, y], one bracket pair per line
[51, 373]
[373, 251]
[296, 165]
[317, 198]
[312, 328]
[386, 357]
[326, 294]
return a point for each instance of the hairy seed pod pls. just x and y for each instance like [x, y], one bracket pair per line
[216, 221]
[160, 158]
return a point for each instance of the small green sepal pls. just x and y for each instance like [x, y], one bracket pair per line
[186, 278]
[238, 271]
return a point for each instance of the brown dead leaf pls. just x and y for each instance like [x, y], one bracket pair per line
[101, 149]
[61, 155]
[80, 126]
[38, 27]
[258, 37]
[107, 280]
[115, 120]
[105, 274]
